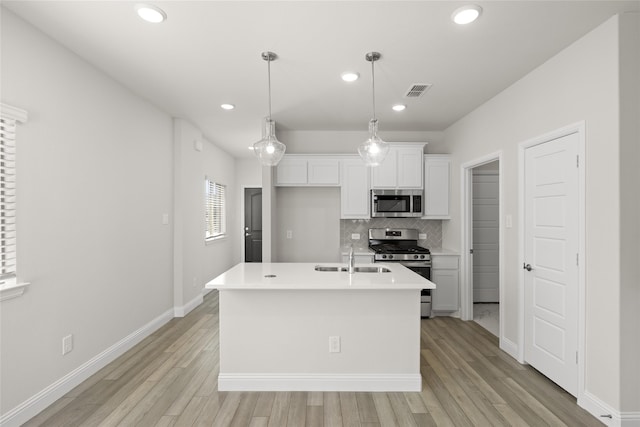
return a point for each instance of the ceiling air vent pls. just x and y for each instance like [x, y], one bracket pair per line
[417, 90]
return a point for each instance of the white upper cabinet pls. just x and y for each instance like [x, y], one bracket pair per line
[354, 190]
[401, 169]
[294, 170]
[291, 171]
[323, 172]
[437, 169]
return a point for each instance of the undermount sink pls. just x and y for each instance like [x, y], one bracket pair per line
[355, 270]
[330, 268]
[372, 270]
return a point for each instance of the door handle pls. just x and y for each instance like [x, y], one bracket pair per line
[247, 234]
[527, 267]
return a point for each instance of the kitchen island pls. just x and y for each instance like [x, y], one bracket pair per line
[291, 327]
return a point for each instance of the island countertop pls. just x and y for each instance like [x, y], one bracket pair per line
[304, 276]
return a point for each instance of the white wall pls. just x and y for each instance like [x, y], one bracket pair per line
[94, 179]
[313, 216]
[580, 83]
[195, 263]
[332, 142]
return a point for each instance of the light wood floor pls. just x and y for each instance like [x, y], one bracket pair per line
[170, 379]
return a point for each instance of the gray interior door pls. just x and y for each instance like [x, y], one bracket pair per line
[253, 225]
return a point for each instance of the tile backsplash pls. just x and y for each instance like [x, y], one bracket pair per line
[432, 228]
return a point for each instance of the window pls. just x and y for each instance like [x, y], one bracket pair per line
[215, 210]
[9, 118]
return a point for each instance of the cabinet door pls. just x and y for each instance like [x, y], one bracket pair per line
[291, 171]
[385, 175]
[354, 190]
[409, 167]
[445, 295]
[436, 187]
[323, 172]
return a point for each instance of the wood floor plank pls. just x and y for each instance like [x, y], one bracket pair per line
[464, 401]
[332, 409]
[386, 416]
[227, 410]
[244, 413]
[191, 412]
[210, 410]
[349, 406]
[314, 398]
[297, 409]
[280, 409]
[170, 379]
[315, 416]
[401, 410]
[264, 405]
[366, 408]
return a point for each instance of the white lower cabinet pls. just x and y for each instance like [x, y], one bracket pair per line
[444, 273]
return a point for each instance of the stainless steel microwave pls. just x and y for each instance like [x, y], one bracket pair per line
[396, 203]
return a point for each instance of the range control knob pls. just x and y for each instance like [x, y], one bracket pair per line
[390, 256]
[416, 256]
[421, 256]
[384, 256]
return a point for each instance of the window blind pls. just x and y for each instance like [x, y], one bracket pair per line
[215, 210]
[7, 197]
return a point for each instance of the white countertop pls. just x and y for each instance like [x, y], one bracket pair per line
[357, 250]
[444, 251]
[304, 276]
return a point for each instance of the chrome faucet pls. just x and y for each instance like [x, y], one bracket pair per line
[352, 261]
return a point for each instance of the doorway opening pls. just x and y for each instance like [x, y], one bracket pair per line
[253, 225]
[485, 245]
[482, 249]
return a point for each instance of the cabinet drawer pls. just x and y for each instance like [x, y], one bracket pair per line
[444, 261]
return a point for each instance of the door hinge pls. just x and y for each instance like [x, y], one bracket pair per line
[578, 161]
[578, 259]
[470, 251]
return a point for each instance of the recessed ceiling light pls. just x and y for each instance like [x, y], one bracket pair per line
[349, 76]
[151, 13]
[466, 14]
[227, 106]
[399, 107]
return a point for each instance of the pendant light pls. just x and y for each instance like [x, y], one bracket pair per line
[269, 150]
[373, 150]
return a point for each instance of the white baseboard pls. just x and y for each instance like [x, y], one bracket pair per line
[606, 413]
[509, 347]
[319, 382]
[38, 402]
[185, 309]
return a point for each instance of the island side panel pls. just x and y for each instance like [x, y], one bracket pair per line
[279, 340]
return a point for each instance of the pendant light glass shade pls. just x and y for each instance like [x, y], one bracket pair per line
[373, 150]
[269, 150]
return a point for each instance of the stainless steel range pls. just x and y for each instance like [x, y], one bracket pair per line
[401, 245]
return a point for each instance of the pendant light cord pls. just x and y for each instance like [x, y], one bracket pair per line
[269, 77]
[373, 88]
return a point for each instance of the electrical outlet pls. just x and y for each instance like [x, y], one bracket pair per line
[289, 234]
[422, 236]
[508, 221]
[165, 219]
[355, 236]
[334, 344]
[67, 344]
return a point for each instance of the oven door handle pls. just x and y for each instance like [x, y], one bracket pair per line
[415, 264]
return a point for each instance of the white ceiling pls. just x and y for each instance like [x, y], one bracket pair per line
[208, 52]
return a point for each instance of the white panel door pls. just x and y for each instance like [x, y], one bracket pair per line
[485, 237]
[551, 250]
